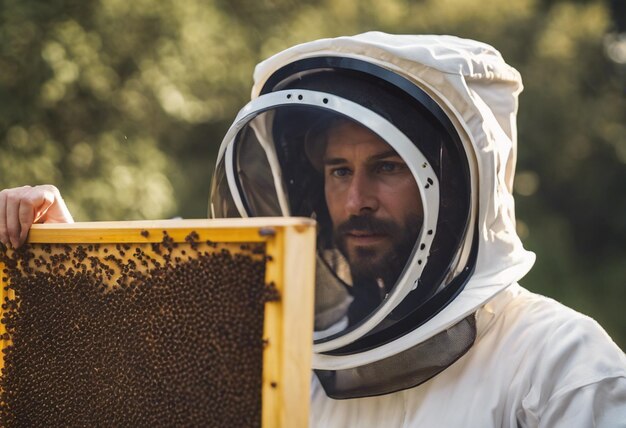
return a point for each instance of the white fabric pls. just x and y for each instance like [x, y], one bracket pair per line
[478, 91]
[535, 363]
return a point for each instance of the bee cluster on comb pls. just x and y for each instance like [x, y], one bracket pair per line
[142, 334]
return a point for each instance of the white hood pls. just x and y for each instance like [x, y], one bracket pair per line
[479, 92]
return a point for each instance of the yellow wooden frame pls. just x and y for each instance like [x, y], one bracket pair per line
[288, 325]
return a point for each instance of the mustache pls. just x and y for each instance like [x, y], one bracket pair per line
[368, 224]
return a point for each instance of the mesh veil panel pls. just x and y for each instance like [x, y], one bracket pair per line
[405, 370]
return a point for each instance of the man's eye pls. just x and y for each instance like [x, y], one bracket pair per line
[390, 167]
[339, 172]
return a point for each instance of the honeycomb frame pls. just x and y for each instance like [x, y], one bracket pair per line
[288, 321]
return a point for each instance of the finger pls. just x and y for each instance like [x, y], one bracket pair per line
[4, 235]
[26, 216]
[41, 199]
[50, 207]
[12, 220]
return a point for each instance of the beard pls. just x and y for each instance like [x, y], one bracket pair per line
[374, 268]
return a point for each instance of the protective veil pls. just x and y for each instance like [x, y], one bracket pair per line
[420, 95]
[447, 107]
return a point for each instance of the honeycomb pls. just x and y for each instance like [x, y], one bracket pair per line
[146, 334]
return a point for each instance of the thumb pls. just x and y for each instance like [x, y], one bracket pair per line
[49, 205]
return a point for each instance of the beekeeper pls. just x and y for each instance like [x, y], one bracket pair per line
[403, 148]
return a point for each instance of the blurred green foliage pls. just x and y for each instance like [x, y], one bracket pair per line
[122, 104]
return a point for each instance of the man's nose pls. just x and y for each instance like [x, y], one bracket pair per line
[361, 195]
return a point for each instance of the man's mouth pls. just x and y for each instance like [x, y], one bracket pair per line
[366, 233]
[361, 237]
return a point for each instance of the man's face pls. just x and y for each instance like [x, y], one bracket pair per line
[373, 201]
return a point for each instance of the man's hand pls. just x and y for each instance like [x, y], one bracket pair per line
[23, 206]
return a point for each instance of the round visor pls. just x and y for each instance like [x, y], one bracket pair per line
[373, 192]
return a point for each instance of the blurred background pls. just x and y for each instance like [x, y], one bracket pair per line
[123, 104]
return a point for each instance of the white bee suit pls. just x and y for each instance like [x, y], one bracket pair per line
[534, 362]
